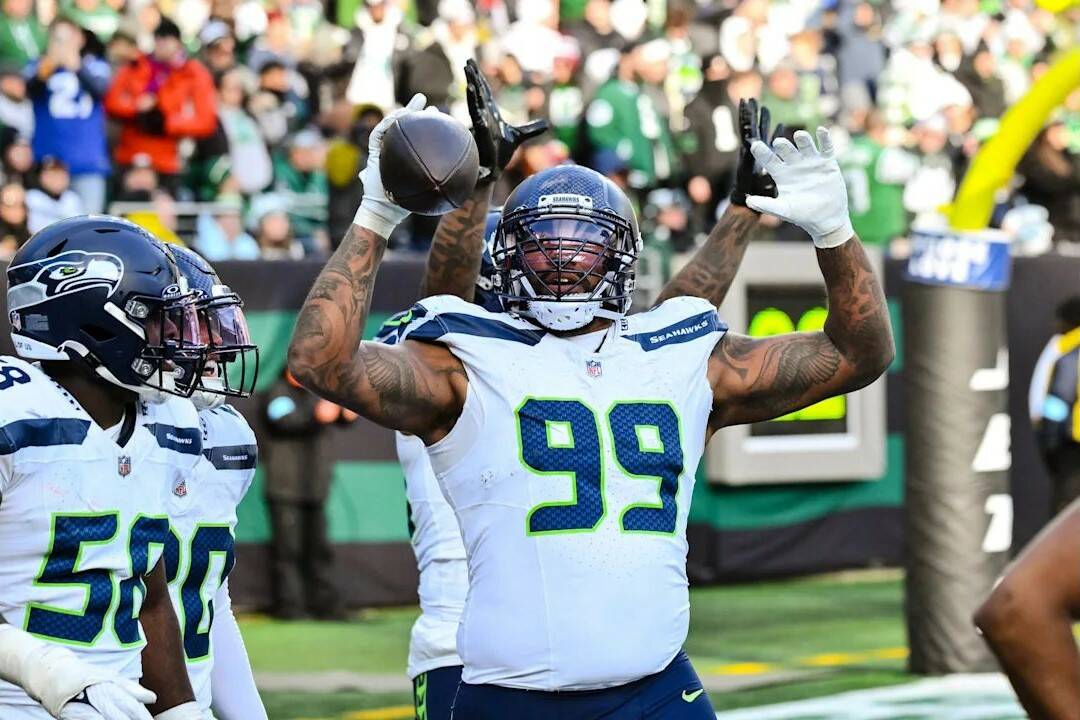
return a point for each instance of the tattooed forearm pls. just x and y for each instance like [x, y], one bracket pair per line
[454, 260]
[331, 320]
[858, 322]
[416, 389]
[759, 379]
[709, 274]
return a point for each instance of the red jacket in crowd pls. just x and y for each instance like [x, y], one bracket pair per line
[186, 107]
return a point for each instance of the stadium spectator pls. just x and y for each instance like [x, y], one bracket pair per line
[248, 162]
[275, 105]
[160, 98]
[933, 182]
[218, 48]
[297, 485]
[1052, 179]
[377, 32]
[16, 110]
[346, 156]
[220, 233]
[268, 217]
[1054, 396]
[52, 199]
[299, 176]
[13, 229]
[22, 37]
[139, 182]
[979, 74]
[713, 132]
[876, 170]
[627, 120]
[566, 99]
[860, 53]
[67, 89]
[18, 161]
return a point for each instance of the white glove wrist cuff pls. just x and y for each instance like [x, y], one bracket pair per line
[50, 674]
[837, 237]
[187, 711]
[371, 219]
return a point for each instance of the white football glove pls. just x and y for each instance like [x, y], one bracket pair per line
[121, 699]
[54, 676]
[377, 213]
[810, 189]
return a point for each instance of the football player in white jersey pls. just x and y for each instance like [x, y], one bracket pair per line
[566, 435]
[434, 665]
[200, 552]
[95, 454]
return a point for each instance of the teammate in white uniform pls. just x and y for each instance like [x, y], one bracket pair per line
[95, 455]
[566, 436]
[200, 552]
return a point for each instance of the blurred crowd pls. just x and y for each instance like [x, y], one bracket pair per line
[239, 126]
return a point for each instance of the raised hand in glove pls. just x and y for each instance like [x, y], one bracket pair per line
[496, 140]
[810, 190]
[750, 176]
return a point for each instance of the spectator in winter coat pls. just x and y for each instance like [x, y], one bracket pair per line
[67, 89]
[53, 199]
[1052, 179]
[159, 99]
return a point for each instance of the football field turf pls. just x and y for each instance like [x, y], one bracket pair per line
[752, 644]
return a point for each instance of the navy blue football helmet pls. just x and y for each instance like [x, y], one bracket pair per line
[485, 295]
[566, 248]
[105, 291]
[232, 359]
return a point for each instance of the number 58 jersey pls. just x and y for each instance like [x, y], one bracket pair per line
[82, 519]
[571, 471]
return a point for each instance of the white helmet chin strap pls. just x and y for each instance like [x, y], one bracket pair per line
[150, 394]
[205, 400]
[563, 315]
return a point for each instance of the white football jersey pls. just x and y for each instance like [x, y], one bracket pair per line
[571, 472]
[440, 557]
[83, 520]
[200, 553]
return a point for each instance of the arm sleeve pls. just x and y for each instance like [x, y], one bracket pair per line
[235, 695]
[6, 465]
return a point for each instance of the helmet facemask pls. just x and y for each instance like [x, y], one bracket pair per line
[565, 265]
[232, 359]
[171, 351]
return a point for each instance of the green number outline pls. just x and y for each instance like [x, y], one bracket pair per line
[203, 599]
[141, 585]
[113, 596]
[659, 505]
[573, 475]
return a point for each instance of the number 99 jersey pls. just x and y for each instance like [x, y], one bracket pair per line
[571, 473]
[83, 520]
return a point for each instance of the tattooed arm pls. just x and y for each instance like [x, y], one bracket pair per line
[709, 274]
[412, 387]
[453, 263]
[760, 379]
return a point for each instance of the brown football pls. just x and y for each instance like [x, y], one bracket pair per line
[429, 163]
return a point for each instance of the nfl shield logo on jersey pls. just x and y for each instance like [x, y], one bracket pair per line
[123, 465]
[594, 368]
[180, 490]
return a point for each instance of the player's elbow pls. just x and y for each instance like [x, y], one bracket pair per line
[302, 365]
[873, 359]
[1005, 612]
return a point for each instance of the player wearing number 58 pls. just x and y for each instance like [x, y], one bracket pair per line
[566, 434]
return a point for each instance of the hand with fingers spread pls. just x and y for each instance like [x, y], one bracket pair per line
[750, 176]
[496, 140]
[809, 185]
[377, 213]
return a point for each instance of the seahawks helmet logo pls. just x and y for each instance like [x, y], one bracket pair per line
[64, 274]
